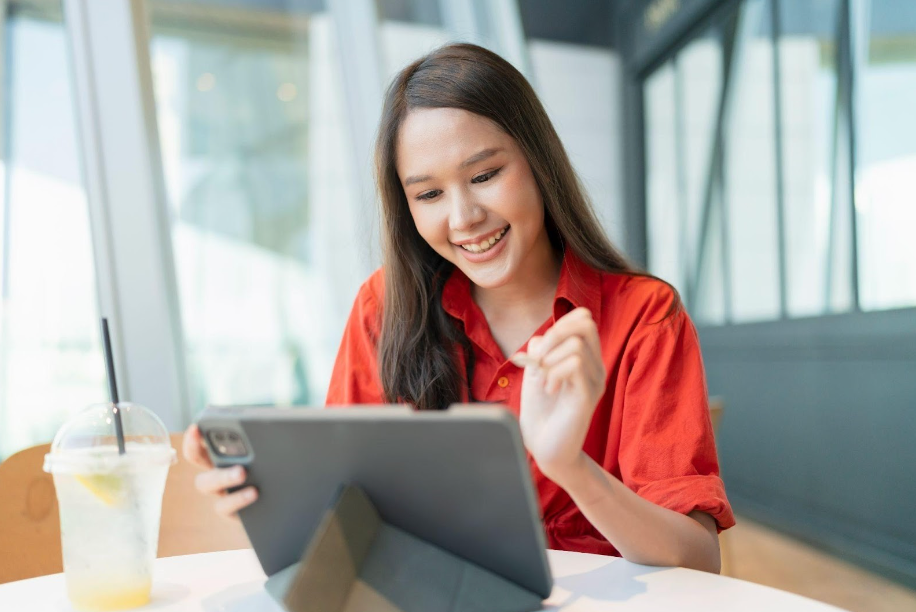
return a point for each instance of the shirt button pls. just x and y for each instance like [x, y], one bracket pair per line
[503, 382]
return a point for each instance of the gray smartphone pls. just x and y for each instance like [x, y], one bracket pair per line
[457, 478]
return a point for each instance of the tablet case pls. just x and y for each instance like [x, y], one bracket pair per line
[384, 545]
[358, 563]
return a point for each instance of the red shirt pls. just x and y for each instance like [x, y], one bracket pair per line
[651, 429]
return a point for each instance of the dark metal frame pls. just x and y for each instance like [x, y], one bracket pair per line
[775, 36]
[847, 67]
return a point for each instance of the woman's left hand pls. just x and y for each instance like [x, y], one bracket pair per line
[560, 396]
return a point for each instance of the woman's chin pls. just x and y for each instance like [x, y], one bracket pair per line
[493, 276]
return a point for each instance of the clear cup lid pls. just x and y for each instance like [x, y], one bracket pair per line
[87, 443]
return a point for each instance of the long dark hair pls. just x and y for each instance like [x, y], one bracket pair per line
[419, 345]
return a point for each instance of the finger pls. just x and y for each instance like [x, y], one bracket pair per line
[570, 370]
[577, 323]
[230, 504]
[193, 449]
[580, 322]
[534, 351]
[575, 345]
[216, 481]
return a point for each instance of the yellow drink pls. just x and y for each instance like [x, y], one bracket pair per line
[109, 503]
[109, 520]
[100, 593]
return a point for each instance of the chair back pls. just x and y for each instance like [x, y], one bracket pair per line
[716, 408]
[30, 523]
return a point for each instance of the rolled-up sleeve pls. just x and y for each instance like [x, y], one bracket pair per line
[668, 452]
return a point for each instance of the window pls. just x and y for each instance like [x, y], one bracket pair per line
[50, 357]
[775, 231]
[260, 182]
[810, 123]
[749, 172]
[886, 154]
[699, 86]
[664, 211]
[683, 175]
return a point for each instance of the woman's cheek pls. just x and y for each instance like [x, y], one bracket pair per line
[432, 226]
[513, 194]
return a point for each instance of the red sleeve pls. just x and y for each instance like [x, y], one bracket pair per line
[355, 378]
[668, 452]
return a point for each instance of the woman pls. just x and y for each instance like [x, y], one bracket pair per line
[491, 249]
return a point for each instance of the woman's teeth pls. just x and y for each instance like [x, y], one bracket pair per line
[485, 245]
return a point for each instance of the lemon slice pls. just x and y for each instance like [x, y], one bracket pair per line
[106, 487]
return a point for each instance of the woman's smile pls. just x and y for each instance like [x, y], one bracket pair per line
[485, 243]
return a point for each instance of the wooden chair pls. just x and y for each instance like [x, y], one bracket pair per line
[716, 408]
[30, 524]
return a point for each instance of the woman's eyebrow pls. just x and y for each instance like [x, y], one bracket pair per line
[416, 179]
[477, 157]
[473, 159]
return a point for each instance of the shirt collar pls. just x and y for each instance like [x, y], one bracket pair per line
[579, 285]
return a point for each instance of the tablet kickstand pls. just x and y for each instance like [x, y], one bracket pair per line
[356, 562]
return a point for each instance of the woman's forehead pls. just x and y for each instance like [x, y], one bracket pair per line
[430, 137]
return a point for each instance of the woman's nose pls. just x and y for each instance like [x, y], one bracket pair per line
[465, 212]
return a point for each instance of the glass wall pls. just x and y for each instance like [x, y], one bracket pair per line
[683, 200]
[50, 358]
[662, 189]
[749, 172]
[261, 189]
[803, 206]
[886, 153]
[808, 107]
[699, 87]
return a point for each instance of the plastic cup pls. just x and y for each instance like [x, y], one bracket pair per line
[109, 504]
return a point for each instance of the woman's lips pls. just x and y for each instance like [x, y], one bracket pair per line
[486, 243]
[491, 253]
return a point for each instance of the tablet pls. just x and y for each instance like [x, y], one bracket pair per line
[457, 478]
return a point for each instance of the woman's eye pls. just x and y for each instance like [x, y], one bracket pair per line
[429, 195]
[483, 178]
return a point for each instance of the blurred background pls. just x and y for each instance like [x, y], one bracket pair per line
[200, 172]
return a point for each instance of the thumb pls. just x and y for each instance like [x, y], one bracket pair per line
[193, 448]
[533, 345]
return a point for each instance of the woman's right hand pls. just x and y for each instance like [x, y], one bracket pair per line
[215, 481]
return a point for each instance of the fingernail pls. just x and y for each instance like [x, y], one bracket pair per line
[236, 473]
[533, 346]
[250, 493]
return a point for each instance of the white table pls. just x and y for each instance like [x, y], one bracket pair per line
[232, 582]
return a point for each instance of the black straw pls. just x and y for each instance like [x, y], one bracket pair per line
[113, 386]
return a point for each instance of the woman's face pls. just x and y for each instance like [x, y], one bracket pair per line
[471, 193]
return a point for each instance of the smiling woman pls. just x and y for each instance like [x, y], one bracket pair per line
[491, 248]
